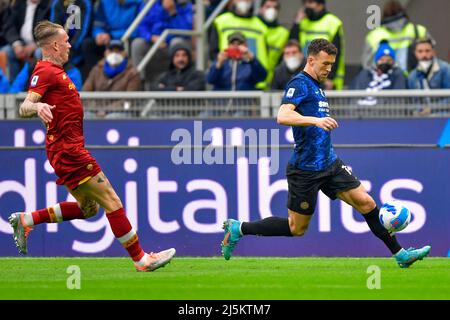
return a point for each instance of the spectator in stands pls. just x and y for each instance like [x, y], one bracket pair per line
[236, 67]
[114, 73]
[240, 18]
[21, 82]
[182, 75]
[18, 32]
[384, 75]
[431, 72]
[315, 21]
[293, 62]
[111, 20]
[277, 35]
[4, 83]
[210, 6]
[165, 14]
[399, 31]
[62, 13]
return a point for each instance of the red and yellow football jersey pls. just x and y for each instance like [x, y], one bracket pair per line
[51, 82]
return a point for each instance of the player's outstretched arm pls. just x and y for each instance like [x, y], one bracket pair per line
[288, 117]
[31, 107]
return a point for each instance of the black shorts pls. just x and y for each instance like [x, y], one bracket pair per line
[303, 185]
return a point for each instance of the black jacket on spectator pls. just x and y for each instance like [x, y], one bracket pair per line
[188, 78]
[282, 75]
[394, 80]
[4, 12]
[16, 18]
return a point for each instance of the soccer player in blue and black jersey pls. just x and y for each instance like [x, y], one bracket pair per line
[314, 165]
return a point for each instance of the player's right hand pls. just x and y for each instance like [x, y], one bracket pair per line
[327, 123]
[44, 111]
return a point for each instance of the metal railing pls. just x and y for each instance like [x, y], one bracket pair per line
[247, 104]
[133, 26]
[201, 27]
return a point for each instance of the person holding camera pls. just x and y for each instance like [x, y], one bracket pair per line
[236, 67]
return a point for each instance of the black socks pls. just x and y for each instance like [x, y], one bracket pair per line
[272, 226]
[377, 228]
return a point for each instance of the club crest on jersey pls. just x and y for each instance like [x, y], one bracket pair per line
[34, 81]
[322, 93]
[64, 77]
[290, 93]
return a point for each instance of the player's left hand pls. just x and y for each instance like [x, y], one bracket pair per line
[44, 111]
[327, 123]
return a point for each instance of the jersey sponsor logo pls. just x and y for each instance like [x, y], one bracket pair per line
[34, 81]
[324, 107]
[290, 93]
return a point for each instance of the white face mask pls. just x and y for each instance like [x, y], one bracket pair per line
[424, 65]
[292, 63]
[114, 59]
[270, 15]
[243, 6]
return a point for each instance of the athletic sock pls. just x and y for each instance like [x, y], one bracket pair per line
[372, 219]
[272, 226]
[60, 212]
[126, 235]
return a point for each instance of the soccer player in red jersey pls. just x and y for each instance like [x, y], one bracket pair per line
[52, 96]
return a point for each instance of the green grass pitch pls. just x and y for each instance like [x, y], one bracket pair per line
[216, 279]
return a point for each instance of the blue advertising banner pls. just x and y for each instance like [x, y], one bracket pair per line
[175, 204]
[159, 132]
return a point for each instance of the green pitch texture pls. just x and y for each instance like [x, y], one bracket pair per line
[217, 279]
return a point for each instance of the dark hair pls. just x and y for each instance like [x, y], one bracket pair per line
[277, 1]
[318, 45]
[293, 43]
[430, 41]
[393, 8]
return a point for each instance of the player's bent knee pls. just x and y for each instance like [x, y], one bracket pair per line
[366, 204]
[298, 232]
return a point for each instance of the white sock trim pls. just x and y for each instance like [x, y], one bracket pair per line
[28, 217]
[143, 261]
[127, 236]
[58, 213]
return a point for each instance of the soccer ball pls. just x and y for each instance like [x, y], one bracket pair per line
[394, 216]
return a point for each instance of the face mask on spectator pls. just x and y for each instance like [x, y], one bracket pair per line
[311, 14]
[114, 59]
[292, 63]
[424, 65]
[384, 67]
[243, 7]
[270, 15]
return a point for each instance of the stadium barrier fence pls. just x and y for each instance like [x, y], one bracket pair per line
[247, 104]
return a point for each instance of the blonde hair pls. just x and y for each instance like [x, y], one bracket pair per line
[44, 31]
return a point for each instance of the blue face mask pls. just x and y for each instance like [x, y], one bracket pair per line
[111, 72]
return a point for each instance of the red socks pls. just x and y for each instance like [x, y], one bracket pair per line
[62, 211]
[118, 221]
[123, 231]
